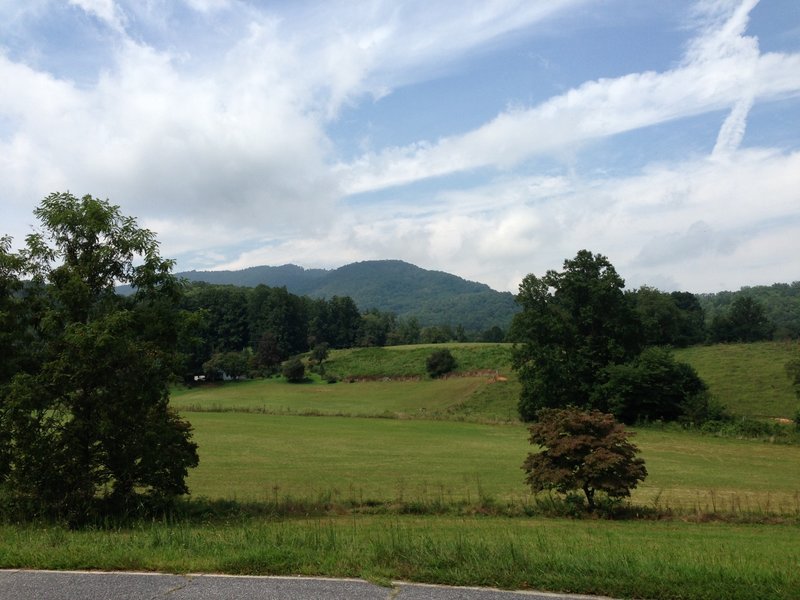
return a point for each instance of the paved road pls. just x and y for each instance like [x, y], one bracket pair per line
[70, 585]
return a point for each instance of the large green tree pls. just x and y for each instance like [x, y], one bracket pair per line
[573, 324]
[745, 321]
[84, 419]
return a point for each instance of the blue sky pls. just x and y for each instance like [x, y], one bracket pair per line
[486, 139]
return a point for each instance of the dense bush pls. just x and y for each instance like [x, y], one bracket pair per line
[440, 363]
[654, 386]
[294, 370]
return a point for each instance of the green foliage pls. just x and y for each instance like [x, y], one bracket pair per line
[675, 319]
[429, 297]
[744, 321]
[573, 324]
[781, 302]
[84, 421]
[320, 352]
[227, 364]
[294, 370]
[440, 362]
[586, 451]
[654, 386]
[691, 326]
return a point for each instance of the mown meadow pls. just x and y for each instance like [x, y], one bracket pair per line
[389, 475]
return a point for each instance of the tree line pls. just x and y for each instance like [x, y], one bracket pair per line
[239, 331]
[242, 331]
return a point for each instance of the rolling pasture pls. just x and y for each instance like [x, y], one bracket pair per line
[396, 435]
[750, 379]
[395, 476]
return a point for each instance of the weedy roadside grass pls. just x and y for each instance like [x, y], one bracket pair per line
[658, 560]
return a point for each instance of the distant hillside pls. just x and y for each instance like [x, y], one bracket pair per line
[296, 279]
[781, 303]
[433, 297]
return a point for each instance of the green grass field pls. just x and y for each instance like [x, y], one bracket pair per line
[748, 378]
[444, 438]
[362, 455]
[256, 457]
[423, 399]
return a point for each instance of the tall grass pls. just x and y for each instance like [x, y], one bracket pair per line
[652, 560]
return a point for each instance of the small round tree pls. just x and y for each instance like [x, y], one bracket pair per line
[580, 450]
[294, 370]
[440, 363]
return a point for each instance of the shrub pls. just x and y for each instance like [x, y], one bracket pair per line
[294, 370]
[654, 386]
[440, 363]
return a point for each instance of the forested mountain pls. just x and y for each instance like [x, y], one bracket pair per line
[432, 297]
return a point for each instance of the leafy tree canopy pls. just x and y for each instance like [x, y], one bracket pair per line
[654, 386]
[84, 420]
[573, 324]
[586, 451]
[583, 343]
[744, 321]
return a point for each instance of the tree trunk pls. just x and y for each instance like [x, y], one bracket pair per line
[589, 496]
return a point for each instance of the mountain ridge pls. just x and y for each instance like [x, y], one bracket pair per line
[432, 297]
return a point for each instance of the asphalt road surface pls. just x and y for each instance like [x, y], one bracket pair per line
[71, 585]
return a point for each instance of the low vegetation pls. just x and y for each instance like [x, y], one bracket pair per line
[657, 560]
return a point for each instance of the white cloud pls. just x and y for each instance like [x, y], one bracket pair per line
[106, 10]
[696, 225]
[223, 148]
[236, 135]
[208, 6]
[732, 131]
[721, 68]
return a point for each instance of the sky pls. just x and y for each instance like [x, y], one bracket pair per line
[489, 139]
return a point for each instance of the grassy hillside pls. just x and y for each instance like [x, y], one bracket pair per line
[409, 361]
[748, 378]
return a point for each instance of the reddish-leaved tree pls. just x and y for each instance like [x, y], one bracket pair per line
[582, 450]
